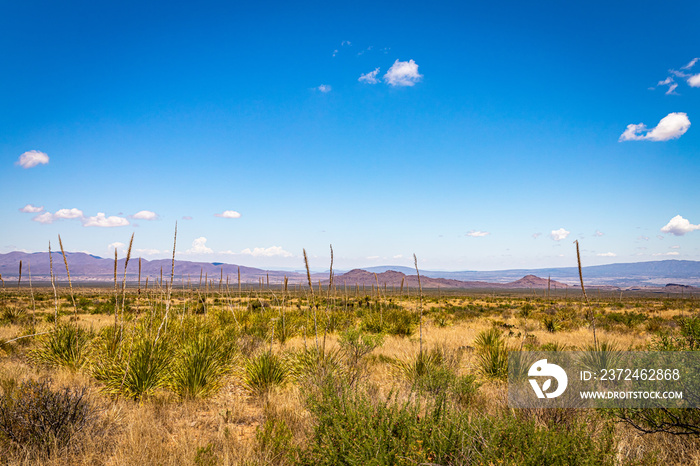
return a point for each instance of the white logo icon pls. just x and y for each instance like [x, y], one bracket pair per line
[542, 369]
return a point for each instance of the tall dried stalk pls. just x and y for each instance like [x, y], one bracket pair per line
[126, 264]
[53, 285]
[70, 283]
[116, 295]
[585, 297]
[31, 293]
[172, 275]
[311, 289]
[420, 294]
[20, 275]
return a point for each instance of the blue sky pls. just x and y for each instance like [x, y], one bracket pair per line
[491, 137]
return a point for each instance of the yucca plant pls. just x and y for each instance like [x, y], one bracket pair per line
[200, 365]
[265, 371]
[492, 353]
[64, 346]
[138, 369]
[603, 356]
[314, 366]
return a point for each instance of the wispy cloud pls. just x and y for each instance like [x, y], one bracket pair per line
[607, 254]
[690, 64]
[403, 73]
[477, 233]
[370, 78]
[145, 215]
[228, 214]
[598, 233]
[325, 88]
[186, 217]
[102, 221]
[672, 253]
[148, 252]
[199, 246]
[272, 251]
[672, 126]
[536, 235]
[32, 158]
[679, 226]
[560, 234]
[30, 209]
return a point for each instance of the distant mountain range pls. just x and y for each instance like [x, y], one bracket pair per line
[86, 267]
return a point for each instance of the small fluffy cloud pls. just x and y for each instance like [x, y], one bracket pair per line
[272, 251]
[369, 78]
[672, 126]
[325, 88]
[672, 253]
[145, 215]
[398, 256]
[199, 246]
[30, 209]
[32, 158]
[403, 73]
[68, 213]
[679, 226]
[607, 254]
[694, 81]
[477, 233]
[116, 245]
[228, 214]
[48, 217]
[560, 234]
[102, 221]
[147, 252]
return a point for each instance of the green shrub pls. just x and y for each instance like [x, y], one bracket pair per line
[200, 364]
[492, 353]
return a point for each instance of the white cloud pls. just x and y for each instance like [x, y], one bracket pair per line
[398, 256]
[477, 233]
[346, 43]
[403, 73]
[32, 158]
[607, 254]
[148, 252]
[335, 52]
[372, 258]
[690, 64]
[100, 220]
[674, 247]
[228, 214]
[672, 126]
[644, 238]
[369, 78]
[186, 217]
[46, 217]
[560, 234]
[679, 226]
[694, 81]
[68, 213]
[672, 253]
[199, 246]
[598, 233]
[272, 251]
[30, 209]
[116, 245]
[325, 88]
[145, 215]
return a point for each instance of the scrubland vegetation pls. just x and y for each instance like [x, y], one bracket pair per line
[213, 374]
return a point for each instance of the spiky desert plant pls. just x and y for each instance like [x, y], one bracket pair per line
[201, 363]
[265, 371]
[492, 353]
[70, 283]
[65, 346]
